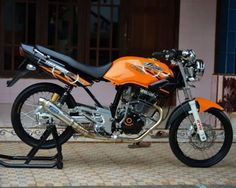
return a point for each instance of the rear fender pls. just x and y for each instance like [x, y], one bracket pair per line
[21, 71]
[203, 105]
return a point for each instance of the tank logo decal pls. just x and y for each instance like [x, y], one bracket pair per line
[138, 68]
[150, 68]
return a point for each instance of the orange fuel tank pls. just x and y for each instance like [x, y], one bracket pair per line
[137, 70]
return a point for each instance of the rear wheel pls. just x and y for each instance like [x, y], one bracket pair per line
[28, 126]
[186, 144]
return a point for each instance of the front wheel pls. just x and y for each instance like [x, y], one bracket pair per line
[29, 126]
[186, 144]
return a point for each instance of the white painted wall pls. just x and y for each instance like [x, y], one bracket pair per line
[197, 31]
[105, 92]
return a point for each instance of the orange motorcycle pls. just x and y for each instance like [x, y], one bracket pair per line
[200, 134]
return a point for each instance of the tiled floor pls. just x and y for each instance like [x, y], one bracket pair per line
[5, 115]
[105, 164]
[115, 164]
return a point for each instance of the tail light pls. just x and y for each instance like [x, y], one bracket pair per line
[21, 52]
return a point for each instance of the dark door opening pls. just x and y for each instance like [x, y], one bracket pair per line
[149, 25]
[93, 32]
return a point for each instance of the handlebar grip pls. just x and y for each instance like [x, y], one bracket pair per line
[158, 55]
[167, 54]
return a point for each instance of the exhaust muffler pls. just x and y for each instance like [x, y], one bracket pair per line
[78, 127]
[63, 116]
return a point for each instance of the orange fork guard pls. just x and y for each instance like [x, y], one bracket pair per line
[206, 104]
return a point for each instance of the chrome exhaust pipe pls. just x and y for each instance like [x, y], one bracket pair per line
[69, 121]
[63, 116]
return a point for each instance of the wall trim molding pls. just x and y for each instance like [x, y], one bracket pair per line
[8, 135]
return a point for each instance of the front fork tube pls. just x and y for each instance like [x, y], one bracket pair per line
[194, 112]
[197, 120]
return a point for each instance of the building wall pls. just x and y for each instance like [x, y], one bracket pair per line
[197, 31]
[104, 91]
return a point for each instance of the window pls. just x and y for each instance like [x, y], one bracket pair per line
[18, 25]
[85, 30]
[226, 38]
[104, 38]
[93, 32]
[63, 26]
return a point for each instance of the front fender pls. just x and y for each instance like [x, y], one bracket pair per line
[204, 105]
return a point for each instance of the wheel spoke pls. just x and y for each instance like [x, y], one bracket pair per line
[192, 146]
[29, 104]
[27, 115]
[28, 109]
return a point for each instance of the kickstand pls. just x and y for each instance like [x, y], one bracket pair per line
[51, 129]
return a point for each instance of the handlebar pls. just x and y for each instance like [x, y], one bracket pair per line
[174, 54]
[165, 54]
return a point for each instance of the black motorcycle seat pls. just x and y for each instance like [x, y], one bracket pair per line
[92, 71]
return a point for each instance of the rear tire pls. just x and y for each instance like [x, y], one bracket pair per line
[22, 102]
[190, 151]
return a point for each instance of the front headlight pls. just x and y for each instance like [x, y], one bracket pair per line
[199, 69]
[195, 71]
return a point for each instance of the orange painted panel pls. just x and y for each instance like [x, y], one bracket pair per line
[206, 104]
[64, 78]
[137, 70]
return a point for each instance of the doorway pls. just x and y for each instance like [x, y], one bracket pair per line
[93, 32]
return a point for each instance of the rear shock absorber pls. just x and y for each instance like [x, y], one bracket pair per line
[62, 99]
[55, 97]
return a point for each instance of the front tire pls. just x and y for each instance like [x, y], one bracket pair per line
[185, 142]
[23, 114]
